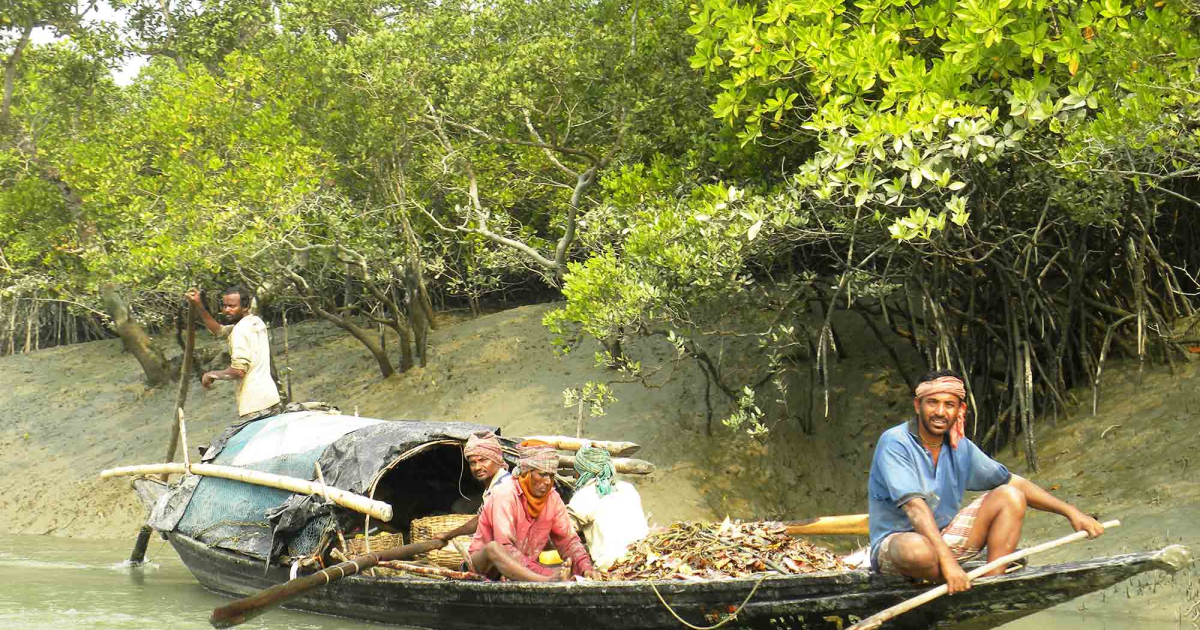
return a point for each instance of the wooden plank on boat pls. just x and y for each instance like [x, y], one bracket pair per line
[348, 500]
[564, 443]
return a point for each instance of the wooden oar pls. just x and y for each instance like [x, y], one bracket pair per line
[250, 607]
[852, 524]
[876, 620]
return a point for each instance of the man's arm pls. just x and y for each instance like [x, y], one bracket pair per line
[466, 529]
[211, 324]
[241, 351]
[1039, 499]
[921, 517]
[568, 544]
[228, 374]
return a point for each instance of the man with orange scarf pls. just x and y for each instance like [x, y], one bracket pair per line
[518, 519]
[918, 476]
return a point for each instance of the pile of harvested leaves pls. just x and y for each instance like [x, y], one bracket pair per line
[692, 551]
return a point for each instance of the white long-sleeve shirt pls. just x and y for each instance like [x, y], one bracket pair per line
[610, 523]
[250, 351]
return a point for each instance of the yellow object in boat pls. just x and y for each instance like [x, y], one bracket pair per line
[550, 558]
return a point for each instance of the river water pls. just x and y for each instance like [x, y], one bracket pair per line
[54, 583]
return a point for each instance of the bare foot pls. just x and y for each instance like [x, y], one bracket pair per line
[564, 573]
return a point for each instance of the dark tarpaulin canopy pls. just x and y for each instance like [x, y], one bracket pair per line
[261, 522]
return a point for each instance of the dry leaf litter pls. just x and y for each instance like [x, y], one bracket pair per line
[699, 551]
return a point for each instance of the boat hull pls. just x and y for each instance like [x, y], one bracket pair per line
[830, 601]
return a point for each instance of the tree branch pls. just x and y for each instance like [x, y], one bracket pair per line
[546, 148]
[526, 143]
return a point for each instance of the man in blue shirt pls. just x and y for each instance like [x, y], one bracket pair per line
[918, 476]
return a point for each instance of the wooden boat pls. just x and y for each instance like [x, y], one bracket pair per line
[233, 562]
[812, 602]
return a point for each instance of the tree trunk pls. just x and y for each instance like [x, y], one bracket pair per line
[12, 326]
[136, 341]
[421, 295]
[418, 321]
[406, 349]
[10, 75]
[29, 325]
[364, 337]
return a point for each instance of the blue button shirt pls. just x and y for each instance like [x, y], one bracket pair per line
[903, 470]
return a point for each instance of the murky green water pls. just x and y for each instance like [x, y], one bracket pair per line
[54, 583]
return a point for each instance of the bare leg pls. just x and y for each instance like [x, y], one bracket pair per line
[915, 557]
[999, 523]
[494, 557]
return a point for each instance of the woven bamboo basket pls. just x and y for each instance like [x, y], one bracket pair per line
[430, 526]
[383, 540]
[358, 545]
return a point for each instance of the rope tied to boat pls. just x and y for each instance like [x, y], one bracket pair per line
[724, 621]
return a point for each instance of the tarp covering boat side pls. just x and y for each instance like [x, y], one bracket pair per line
[259, 521]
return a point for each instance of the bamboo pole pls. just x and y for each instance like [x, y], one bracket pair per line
[620, 464]
[876, 620]
[137, 557]
[287, 357]
[400, 565]
[564, 443]
[185, 373]
[187, 460]
[348, 500]
[321, 480]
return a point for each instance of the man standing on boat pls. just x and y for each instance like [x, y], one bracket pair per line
[249, 355]
[486, 461]
[918, 476]
[606, 511]
[519, 518]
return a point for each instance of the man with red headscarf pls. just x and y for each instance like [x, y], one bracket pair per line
[518, 519]
[918, 476]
